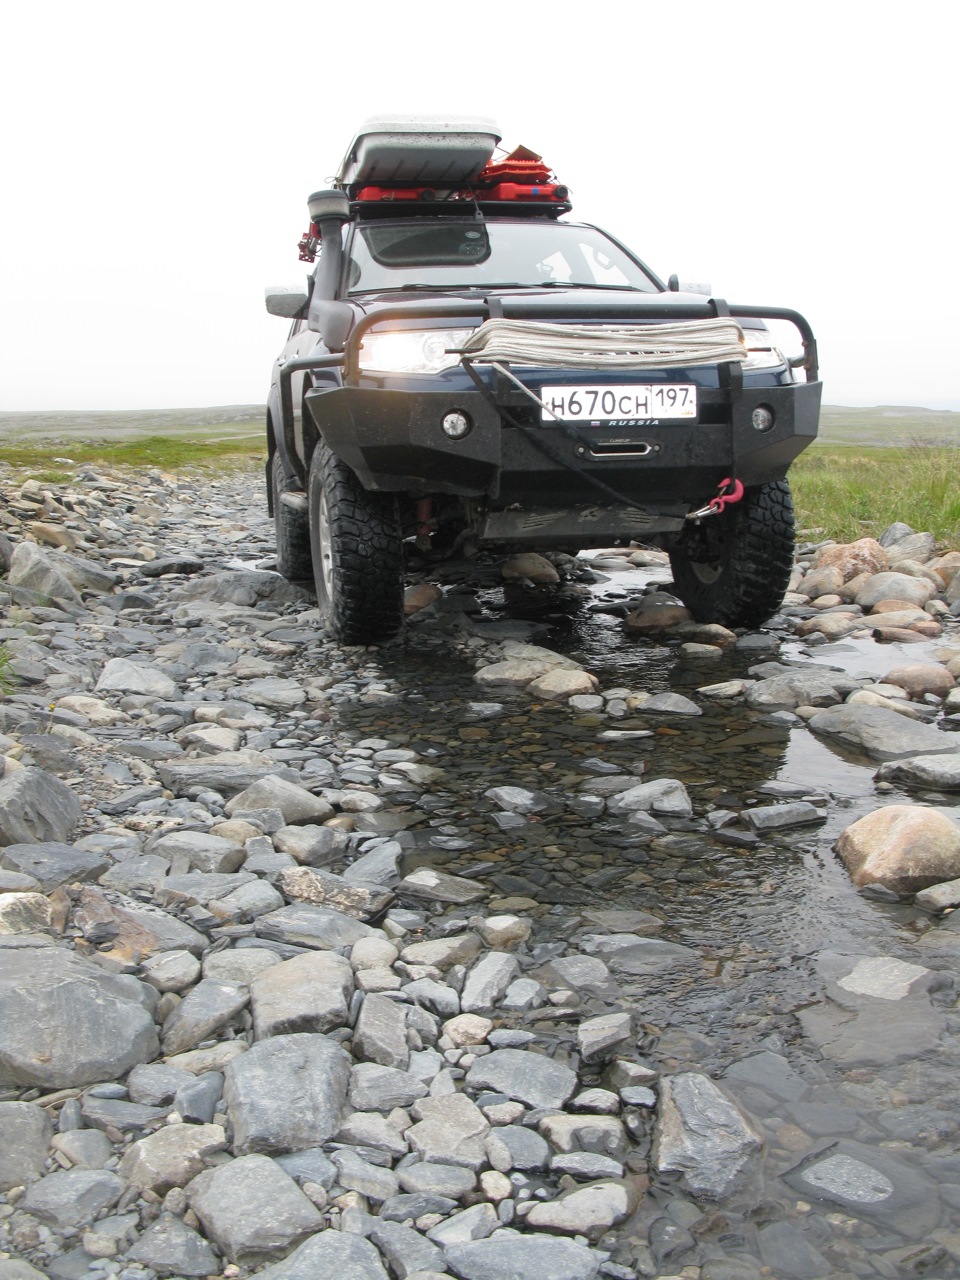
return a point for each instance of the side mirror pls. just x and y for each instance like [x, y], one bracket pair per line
[675, 285]
[286, 300]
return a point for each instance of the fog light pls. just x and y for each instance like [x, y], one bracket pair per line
[762, 418]
[456, 425]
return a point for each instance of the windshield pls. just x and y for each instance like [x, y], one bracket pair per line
[455, 253]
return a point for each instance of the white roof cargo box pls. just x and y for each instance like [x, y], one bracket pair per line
[419, 150]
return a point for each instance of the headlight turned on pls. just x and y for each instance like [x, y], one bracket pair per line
[412, 350]
[762, 353]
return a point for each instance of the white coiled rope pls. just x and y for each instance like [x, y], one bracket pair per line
[605, 346]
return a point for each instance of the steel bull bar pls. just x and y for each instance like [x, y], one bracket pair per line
[512, 307]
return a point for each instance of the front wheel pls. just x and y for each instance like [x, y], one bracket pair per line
[357, 553]
[734, 568]
[292, 530]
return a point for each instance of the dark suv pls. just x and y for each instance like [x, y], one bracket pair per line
[469, 369]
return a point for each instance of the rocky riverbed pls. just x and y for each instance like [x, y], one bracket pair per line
[563, 937]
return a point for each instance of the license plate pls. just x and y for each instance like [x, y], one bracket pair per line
[624, 405]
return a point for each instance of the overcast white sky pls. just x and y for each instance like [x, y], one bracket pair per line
[157, 158]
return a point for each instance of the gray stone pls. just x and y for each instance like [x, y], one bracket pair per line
[204, 852]
[433, 995]
[286, 1093]
[529, 1077]
[65, 1021]
[599, 1038]
[868, 1182]
[53, 864]
[438, 886]
[36, 807]
[379, 866]
[371, 1130]
[517, 1147]
[664, 795]
[407, 1208]
[210, 1006]
[879, 733]
[84, 1148]
[311, 1165]
[476, 1223]
[323, 889]
[376, 1088]
[252, 1209]
[939, 897]
[370, 1180]
[520, 800]
[702, 1134]
[788, 1253]
[307, 993]
[296, 803]
[27, 913]
[171, 970]
[329, 1254]
[274, 691]
[461, 948]
[171, 1157]
[196, 1101]
[25, 1133]
[246, 903]
[171, 1248]
[669, 704]
[143, 874]
[603, 1135]
[120, 675]
[777, 817]
[588, 1211]
[451, 1130]
[43, 572]
[929, 773]
[585, 1165]
[434, 1179]
[311, 845]
[244, 587]
[580, 972]
[507, 1255]
[155, 1083]
[320, 928]
[380, 1034]
[406, 1250]
[70, 1199]
[487, 981]
[240, 966]
[652, 955]
[227, 776]
[894, 586]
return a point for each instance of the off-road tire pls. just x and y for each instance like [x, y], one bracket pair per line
[294, 559]
[357, 553]
[734, 568]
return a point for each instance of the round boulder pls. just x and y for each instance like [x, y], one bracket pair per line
[919, 678]
[903, 847]
[863, 556]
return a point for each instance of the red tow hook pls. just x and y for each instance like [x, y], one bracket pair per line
[729, 490]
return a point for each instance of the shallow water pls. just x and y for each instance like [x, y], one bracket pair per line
[759, 916]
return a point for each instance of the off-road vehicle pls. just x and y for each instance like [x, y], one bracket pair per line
[469, 368]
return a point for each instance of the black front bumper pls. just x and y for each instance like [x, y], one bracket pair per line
[394, 441]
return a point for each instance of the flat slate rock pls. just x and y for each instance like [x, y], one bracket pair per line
[528, 1077]
[881, 734]
[507, 1255]
[304, 925]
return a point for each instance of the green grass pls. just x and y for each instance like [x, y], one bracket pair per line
[168, 453]
[852, 492]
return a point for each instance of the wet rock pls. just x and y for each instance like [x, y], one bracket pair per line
[939, 897]
[599, 1038]
[36, 807]
[603, 1135]
[528, 1077]
[25, 1133]
[306, 993]
[701, 1134]
[439, 886]
[665, 795]
[69, 1199]
[561, 683]
[881, 734]
[286, 1093]
[803, 688]
[655, 616]
[777, 817]
[866, 1182]
[65, 1021]
[669, 704]
[252, 1209]
[903, 847]
[530, 566]
[487, 981]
